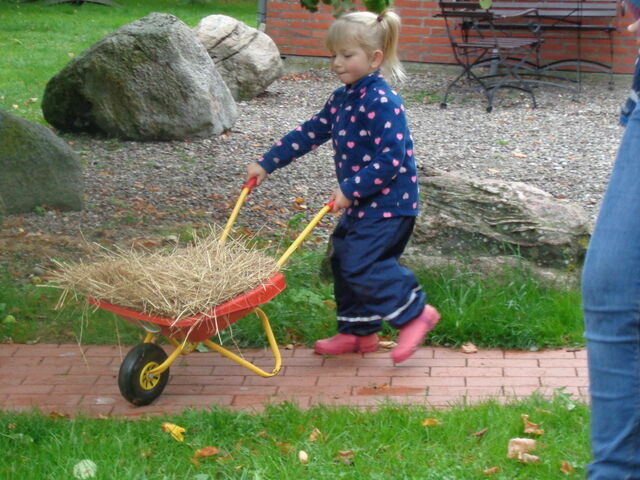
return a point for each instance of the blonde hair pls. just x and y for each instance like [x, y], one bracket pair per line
[371, 32]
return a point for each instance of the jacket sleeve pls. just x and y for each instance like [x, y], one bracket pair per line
[304, 138]
[390, 134]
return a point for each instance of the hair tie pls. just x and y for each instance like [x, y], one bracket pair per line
[379, 18]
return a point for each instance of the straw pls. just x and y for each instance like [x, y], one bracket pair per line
[186, 281]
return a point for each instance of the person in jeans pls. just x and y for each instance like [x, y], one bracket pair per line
[611, 303]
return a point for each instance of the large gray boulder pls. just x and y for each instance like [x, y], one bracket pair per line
[248, 59]
[475, 217]
[37, 168]
[149, 80]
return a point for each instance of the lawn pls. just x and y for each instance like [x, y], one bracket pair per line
[284, 442]
[37, 41]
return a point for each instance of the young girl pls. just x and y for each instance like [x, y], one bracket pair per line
[378, 188]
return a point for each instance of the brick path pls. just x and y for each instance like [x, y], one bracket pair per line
[69, 379]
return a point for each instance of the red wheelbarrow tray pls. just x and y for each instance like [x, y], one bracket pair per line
[200, 327]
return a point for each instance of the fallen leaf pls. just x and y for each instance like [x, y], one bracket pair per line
[284, 447]
[480, 433]
[566, 468]
[530, 427]
[519, 446]
[491, 471]
[430, 422]
[303, 457]
[469, 348]
[345, 457]
[518, 154]
[528, 458]
[206, 452]
[176, 431]
[315, 434]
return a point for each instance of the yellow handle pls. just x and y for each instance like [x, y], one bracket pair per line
[296, 243]
[246, 190]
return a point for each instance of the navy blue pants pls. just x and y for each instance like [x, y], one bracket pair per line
[370, 285]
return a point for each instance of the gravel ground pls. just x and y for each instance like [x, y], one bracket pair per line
[564, 146]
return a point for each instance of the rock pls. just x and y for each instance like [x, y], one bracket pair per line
[38, 168]
[149, 80]
[490, 217]
[248, 60]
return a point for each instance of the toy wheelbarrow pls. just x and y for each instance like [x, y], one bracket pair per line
[144, 371]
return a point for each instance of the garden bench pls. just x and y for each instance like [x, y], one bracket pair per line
[594, 18]
[490, 59]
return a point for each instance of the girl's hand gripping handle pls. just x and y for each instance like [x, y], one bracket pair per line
[246, 190]
[251, 183]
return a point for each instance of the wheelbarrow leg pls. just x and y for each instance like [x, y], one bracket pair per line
[255, 369]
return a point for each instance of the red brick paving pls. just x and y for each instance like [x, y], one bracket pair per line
[70, 379]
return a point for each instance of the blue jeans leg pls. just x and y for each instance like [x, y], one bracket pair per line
[611, 301]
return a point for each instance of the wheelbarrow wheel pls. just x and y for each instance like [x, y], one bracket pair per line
[136, 385]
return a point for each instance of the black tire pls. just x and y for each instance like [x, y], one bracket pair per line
[134, 385]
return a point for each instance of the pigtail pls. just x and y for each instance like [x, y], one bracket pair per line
[390, 23]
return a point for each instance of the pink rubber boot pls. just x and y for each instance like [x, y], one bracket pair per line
[345, 343]
[412, 334]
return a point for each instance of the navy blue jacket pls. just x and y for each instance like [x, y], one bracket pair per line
[373, 148]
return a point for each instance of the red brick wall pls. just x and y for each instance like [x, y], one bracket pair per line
[424, 39]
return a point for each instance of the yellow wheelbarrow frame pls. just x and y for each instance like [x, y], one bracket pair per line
[144, 371]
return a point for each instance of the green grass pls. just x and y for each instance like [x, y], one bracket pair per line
[36, 41]
[507, 310]
[390, 443]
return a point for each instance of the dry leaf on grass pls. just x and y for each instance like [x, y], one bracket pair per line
[530, 427]
[345, 457]
[176, 431]
[284, 447]
[206, 452]
[430, 422]
[528, 458]
[203, 452]
[480, 433]
[566, 468]
[491, 471]
[315, 435]
[519, 446]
